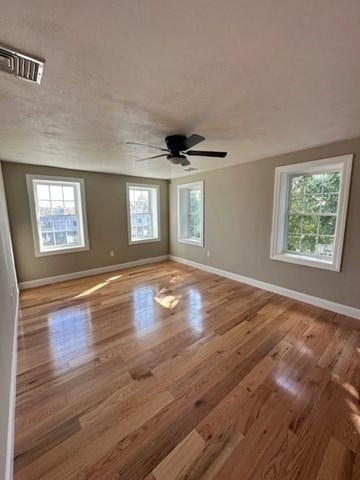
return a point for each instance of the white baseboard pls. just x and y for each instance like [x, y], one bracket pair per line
[303, 297]
[88, 273]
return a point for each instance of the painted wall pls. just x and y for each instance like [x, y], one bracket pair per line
[107, 223]
[8, 326]
[238, 218]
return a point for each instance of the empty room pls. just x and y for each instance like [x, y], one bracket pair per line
[179, 240]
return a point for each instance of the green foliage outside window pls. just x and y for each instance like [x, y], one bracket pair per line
[195, 213]
[312, 213]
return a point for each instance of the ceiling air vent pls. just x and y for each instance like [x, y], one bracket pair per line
[21, 65]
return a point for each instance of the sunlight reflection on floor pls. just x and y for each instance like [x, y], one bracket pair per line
[97, 287]
[143, 307]
[167, 299]
[70, 331]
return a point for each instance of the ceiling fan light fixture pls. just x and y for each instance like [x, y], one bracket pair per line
[176, 159]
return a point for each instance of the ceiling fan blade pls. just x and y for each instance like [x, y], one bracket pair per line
[146, 145]
[149, 158]
[191, 142]
[185, 162]
[206, 154]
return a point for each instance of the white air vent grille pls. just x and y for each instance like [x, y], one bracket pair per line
[21, 65]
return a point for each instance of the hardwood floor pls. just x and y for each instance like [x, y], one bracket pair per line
[165, 372]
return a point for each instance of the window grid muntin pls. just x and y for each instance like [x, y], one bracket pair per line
[145, 203]
[194, 214]
[319, 215]
[190, 225]
[54, 218]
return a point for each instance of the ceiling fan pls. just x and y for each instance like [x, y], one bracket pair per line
[177, 146]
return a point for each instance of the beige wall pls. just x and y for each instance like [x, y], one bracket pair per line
[238, 216]
[107, 223]
[8, 325]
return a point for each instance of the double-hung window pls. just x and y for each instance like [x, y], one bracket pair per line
[58, 214]
[309, 218]
[143, 213]
[190, 213]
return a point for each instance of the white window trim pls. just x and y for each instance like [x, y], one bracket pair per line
[33, 215]
[189, 186]
[342, 163]
[156, 238]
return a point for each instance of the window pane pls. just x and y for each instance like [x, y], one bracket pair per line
[71, 222]
[295, 223]
[44, 207]
[310, 225]
[314, 184]
[59, 222]
[43, 192]
[325, 246]
[194, 201]
[72, 237]
[312, 203]
[60, 238]
[142, 213]
[47, 239]
[70, 208]
[297, 185]
[327, 226]
[329, 203]
[56, 192]
[57, 208]
[331, 182]
[69, 193]
[315, 197]
[190, 212]
[297, 204]
[308, 244]
[294, 243]
[46, 224]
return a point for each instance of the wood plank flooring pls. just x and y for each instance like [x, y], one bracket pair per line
[165, 372]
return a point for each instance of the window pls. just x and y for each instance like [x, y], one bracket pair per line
[58, 214]
[310, 204]
[190, 213]
[143, 213]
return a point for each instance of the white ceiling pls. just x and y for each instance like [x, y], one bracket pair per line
[255, 77]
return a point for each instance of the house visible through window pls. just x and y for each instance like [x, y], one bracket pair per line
[310, 212]
[190, 213]
[57, 207]
[143, 212]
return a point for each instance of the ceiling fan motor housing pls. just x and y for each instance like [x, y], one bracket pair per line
[174, 142]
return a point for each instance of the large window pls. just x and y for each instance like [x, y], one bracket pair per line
[190, 213]
[310, 204]
[143, 213]
[58, 214]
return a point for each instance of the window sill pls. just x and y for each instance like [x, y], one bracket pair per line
[191, 242]
[144, 240]
[62, 250]
[307, 261]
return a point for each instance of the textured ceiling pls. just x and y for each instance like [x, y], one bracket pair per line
[256, 78]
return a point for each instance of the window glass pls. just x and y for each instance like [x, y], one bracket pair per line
[57, 212]
[190, 213]
[143, 212]
[309, 218]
